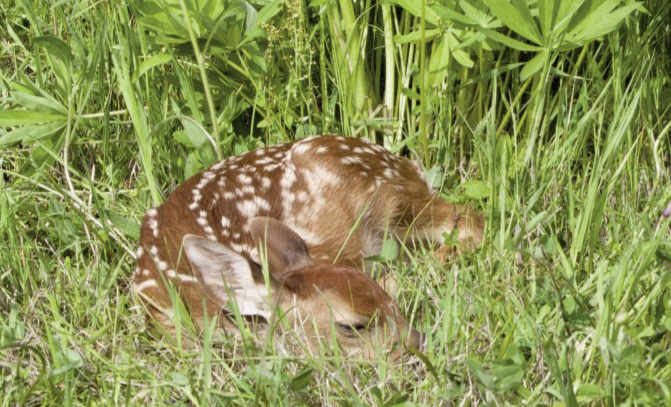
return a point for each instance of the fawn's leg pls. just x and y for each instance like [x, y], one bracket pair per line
[430, 218]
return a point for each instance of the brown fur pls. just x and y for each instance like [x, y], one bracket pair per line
[320, 188]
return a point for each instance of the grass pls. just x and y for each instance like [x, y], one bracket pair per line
[568, 302]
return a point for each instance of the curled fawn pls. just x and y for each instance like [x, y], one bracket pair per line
[313, 209]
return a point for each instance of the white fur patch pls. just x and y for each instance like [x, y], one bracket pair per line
[145, 284]
[227, 276]
[247, 209]
[244, 179]
[352, 159]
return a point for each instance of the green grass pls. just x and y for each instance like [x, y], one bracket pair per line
[104, 110]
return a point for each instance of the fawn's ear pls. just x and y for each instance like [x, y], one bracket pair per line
[226, 276]
[284, 248]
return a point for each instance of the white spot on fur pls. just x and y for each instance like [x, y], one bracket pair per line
[265, 182]
[171, 273]
[153, 250]
[225, 222]
[301, 148]
[390, 174]
[247, 209]
[264, 161]
[244, 179]
[152, 212]
[229, 195]
[262, 203]
[217, 166]
[139, 252]
[153, 225]
[185, 278]
[288, 179]
[146, 272]
[322, 149]
[353, 159]
[145, 284]
[162, 265]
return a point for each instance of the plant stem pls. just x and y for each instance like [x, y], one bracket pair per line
[203, 75]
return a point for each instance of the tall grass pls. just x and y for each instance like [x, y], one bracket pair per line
[561, 137]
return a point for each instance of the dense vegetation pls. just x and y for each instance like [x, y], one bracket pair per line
[552, 117]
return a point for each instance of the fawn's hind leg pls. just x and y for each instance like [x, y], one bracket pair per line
[430, 218]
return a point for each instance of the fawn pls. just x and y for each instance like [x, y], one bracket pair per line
[312, 210]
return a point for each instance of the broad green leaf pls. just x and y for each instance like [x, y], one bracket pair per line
[507, 375]
[55, 47]
[19, 117]
[589, 392]
[505, 40]
[416, 36]
[480, 17]
[515, 20]
[128, 227]
[195, 132]
[600, 23]
[389, 250]
[534, 65]
[414, 7]
[448, 14]
[39, 103]
[151, 62]
[459, 55]
[438, 62]
[269, 11]
[29, 133]
[476, 190]
[476, 369]
[301, 380]
[250, 15]
[548, 11]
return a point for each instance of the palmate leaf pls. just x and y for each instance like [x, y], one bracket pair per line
[32, 132]
[601, 21]
[517, 17]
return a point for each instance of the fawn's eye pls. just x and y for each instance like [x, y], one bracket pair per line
[352, 329]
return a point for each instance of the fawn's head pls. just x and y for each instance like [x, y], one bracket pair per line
[316, 298]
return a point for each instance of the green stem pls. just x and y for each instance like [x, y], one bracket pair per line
[389, 67]
[203, 75]
[422, 83]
